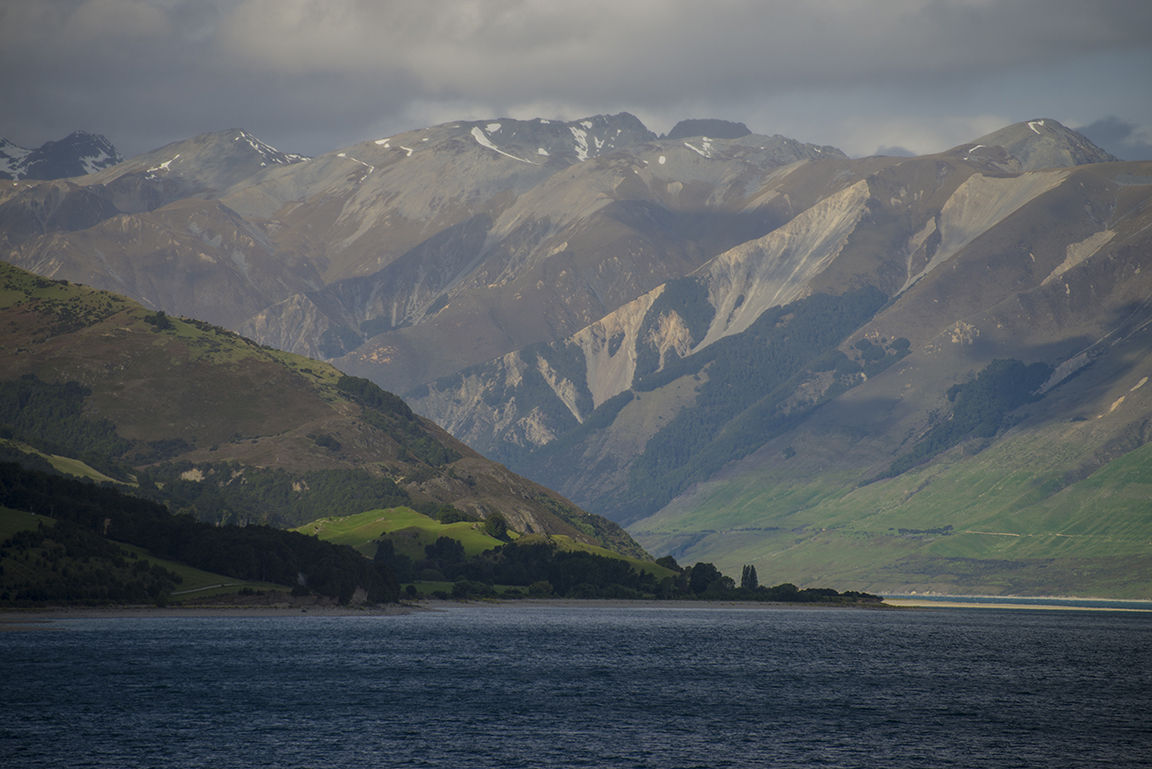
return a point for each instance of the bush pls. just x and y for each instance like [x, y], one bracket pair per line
[541, 589]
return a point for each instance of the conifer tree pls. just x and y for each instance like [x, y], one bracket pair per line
[748, 579]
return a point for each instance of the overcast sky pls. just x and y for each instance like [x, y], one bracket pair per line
[311, 76]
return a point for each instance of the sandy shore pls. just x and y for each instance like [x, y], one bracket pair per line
[14, 619]
[28, 619]
[23, 619]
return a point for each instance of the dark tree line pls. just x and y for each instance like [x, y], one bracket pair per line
[48, 416]
[243, 553]
[541, 569]
[67, 563]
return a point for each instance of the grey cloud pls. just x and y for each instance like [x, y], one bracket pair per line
[896, 152]
[314, 75]
[1120, 137]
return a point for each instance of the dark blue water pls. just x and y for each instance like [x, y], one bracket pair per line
[556, 687]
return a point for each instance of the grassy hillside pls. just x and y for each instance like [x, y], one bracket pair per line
[458, 559]
[414, 529]
[410, 532]
[1010, 517]
[214, 425]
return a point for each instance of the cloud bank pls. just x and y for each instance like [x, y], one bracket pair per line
[315, 75]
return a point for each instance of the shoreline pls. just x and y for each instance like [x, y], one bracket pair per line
[11, 619]
[43, 617]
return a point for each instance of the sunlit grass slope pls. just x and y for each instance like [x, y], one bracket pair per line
[361, 531]
[412, 531]
[1005, 521]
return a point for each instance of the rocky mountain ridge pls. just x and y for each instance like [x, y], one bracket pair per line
[77, 154]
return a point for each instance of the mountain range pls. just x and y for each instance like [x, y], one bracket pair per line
[885, 373]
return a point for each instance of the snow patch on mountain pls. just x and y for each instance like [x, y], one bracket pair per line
[151, 172]
[12, 159]
[78, 154]
[269, 153]
[581, 141]
[484, 141]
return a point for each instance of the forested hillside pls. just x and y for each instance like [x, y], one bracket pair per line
[90, 519]
[213, 425]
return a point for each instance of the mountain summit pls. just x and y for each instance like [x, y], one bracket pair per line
[1042, 143]
[77, 154]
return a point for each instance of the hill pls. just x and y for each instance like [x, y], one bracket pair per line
[212, 424]
[89, 551]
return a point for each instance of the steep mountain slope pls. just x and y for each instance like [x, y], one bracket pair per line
[1039, 144]
[977, 263]
[214, 424]
[475, 239]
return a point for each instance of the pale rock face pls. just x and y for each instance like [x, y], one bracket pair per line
[773, 270]
[609, 347]
[670, 335]
[1078, 252]
[979, 204]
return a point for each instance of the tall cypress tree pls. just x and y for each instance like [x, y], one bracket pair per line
[748, 578]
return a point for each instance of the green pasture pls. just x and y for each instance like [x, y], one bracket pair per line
[411, 530]
[12, 521]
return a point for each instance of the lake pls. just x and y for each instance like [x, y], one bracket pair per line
[543, 686]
